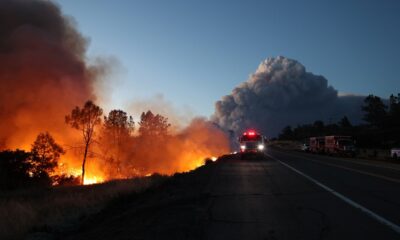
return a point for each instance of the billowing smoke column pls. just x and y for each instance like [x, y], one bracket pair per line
[281, 92]
[43, 73]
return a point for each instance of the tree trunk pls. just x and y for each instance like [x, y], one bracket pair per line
[84, 162]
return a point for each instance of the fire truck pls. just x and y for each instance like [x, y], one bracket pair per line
[333, 145]
[252, 142]
[317, 144]
[342, 145]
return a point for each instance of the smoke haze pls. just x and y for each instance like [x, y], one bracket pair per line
[281, 92]
[43, 72]
[178, 117]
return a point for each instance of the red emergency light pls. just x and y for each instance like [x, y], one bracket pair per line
[250, 133]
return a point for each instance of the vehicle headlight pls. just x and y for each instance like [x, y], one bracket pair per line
[260, 146]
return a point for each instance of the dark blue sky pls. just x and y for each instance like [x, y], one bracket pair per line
[194, 52]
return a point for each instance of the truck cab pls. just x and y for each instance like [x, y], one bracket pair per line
[317, 144]
[252, 142]
[343, 145]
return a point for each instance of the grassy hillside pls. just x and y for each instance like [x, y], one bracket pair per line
[38, 210]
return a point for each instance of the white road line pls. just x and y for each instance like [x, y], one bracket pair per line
[377, 165]
[370, 213]
[396, 180]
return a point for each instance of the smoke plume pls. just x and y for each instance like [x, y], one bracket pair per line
[281, 92]
[43, 72]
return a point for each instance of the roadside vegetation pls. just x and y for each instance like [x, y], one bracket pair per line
[36, 197]
[57, 209]
[110, 141]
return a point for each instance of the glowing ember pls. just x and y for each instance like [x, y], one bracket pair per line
[214, 159]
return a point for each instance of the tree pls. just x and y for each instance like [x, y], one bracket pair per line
[394, 110]
[287, 133]
[118, 124]
[153, 125]
[117, 129]
[375, 111]
[85, 119]
[345, 123]
[45, 155]
[14, 169]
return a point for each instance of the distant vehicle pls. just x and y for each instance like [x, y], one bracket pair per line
[305, 147]
[317, 144]
[395, 153]
[339, 145]
[252, 142]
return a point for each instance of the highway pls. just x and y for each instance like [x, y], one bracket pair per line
[290, 196]
[287, 195]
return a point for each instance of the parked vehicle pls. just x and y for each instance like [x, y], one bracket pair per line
[317, 144]
[305, 147]
[339, 145]
[395, 153]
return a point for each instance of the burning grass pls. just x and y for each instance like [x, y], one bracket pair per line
[37, 210]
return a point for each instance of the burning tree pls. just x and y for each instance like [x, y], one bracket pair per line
[45, 155]
[85, 120]
[117, 130]
[118, 126]
[153, 125]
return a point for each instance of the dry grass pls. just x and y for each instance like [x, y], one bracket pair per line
[375, 154]
[40, 209]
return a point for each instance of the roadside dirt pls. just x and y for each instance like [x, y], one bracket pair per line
[173, 210]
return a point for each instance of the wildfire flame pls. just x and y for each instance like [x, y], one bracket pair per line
[92, 180]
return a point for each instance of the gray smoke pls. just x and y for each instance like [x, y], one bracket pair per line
[43, 71]
[281, 92]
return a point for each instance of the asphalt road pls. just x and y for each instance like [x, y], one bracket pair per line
[287, 195]
[302, 196]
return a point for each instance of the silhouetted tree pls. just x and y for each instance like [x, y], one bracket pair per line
[14, 169]
[153, 125]
[287, 133]
[117, 130]
[375, 111]
[45, 155]
[345, 123]
[118, 124]
[394, 110]
[85, 119]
